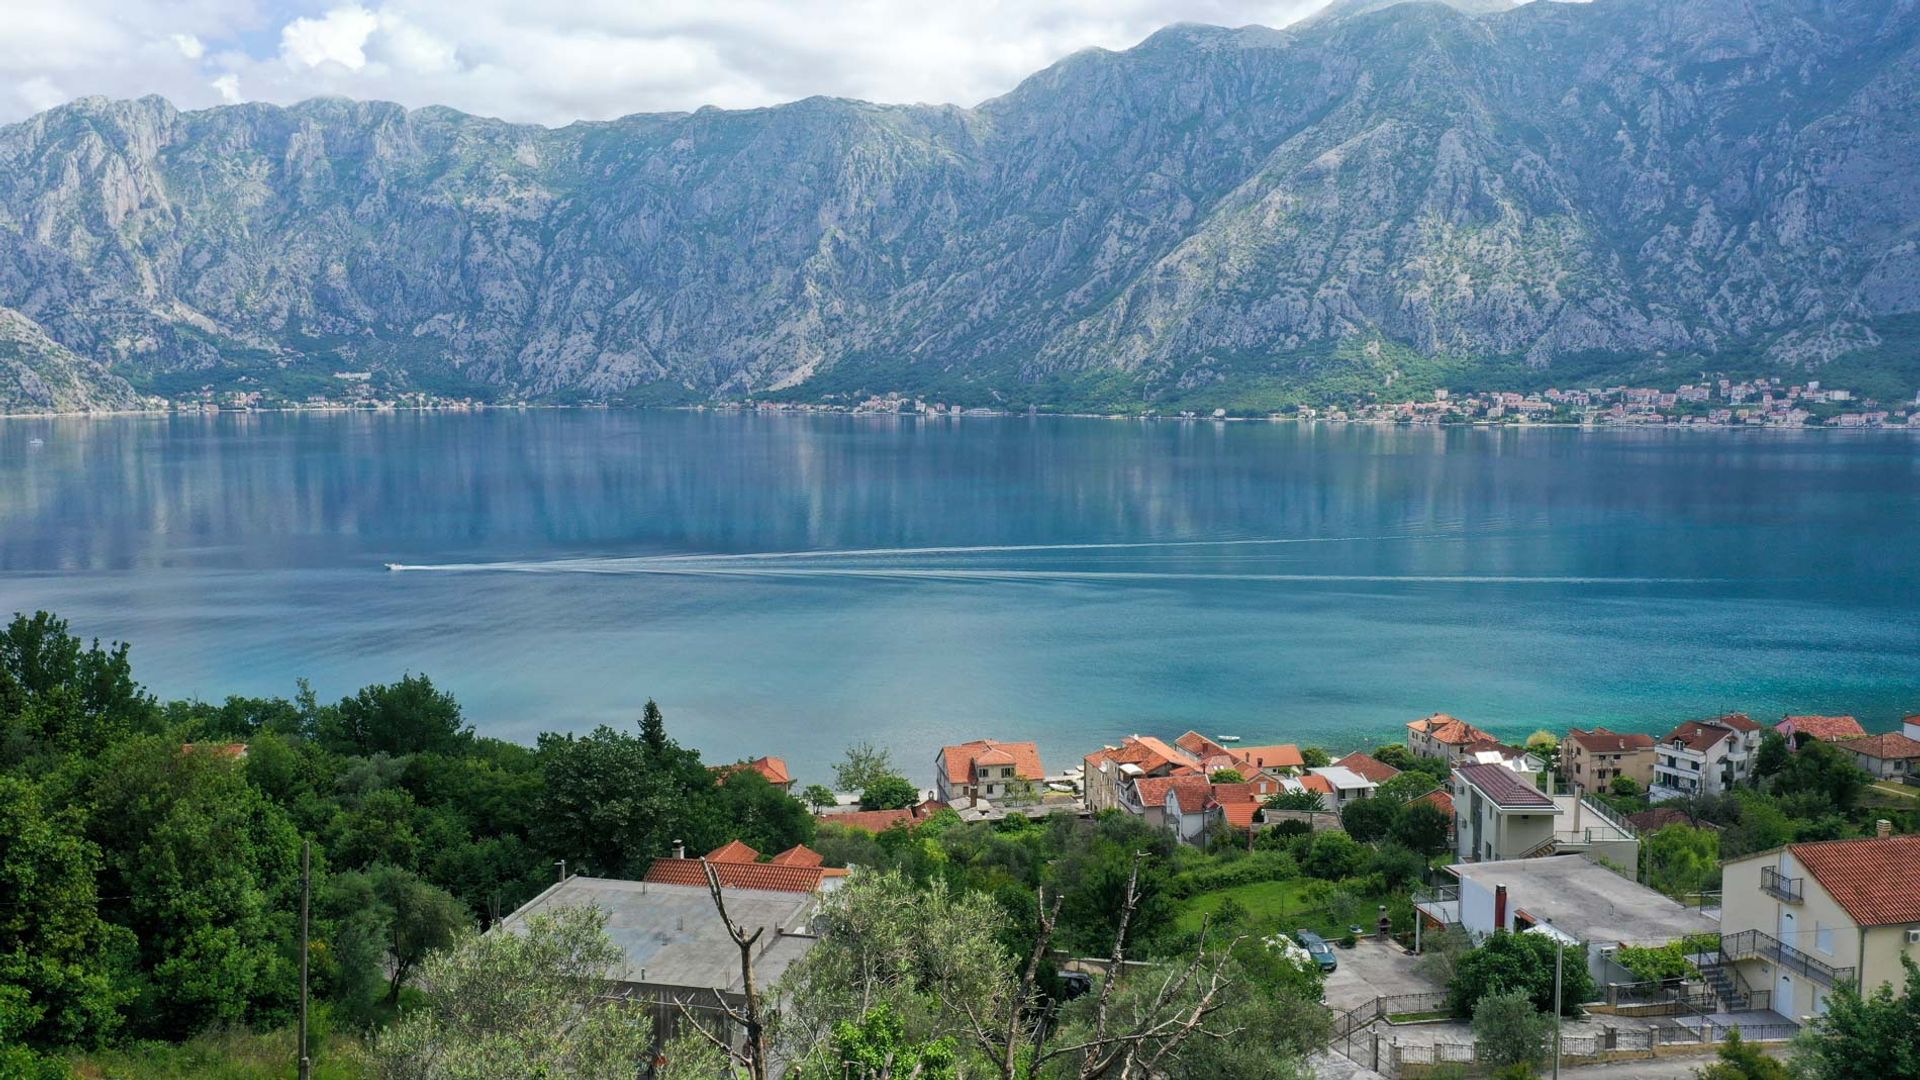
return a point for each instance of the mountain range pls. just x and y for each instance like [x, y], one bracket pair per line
[1383, 198]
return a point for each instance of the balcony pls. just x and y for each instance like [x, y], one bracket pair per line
[1779, 886]
[1751, 944]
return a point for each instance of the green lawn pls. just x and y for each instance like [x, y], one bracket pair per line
[1283, 905]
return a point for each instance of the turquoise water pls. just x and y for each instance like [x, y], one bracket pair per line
[785, 584]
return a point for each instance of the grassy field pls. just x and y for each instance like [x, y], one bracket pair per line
[225, 1056]
[1294, 904]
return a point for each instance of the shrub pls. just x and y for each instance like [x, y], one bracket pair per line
[1511, 1032]
[1521, 963]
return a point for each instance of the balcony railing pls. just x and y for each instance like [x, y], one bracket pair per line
[1751, 943]
[1779, 886]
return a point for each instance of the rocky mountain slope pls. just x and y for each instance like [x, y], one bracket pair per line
[39, 375]
[1398, 196]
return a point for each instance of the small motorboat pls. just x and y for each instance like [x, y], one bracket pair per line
[1226, 738]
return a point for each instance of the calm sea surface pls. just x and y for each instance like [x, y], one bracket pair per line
[786, 584]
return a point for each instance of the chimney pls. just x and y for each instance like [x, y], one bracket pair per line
[1883, 828]
[679, 849]
[1499, 907]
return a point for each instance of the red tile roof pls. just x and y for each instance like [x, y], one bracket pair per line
[1505, 787]
[1697, 735]
[1368, 766]
[1877, 880]
[733, 851]
[1199, 745]
[773, 768]
[1190, 791]
[1282, 756]
[1602, 741]
[1447, 729]
[1889, 747]
[1738, 721]
[1316, 782]
[1826, 728]
[1148, 753]
[1439, 797]
[737, 875]
[797, 855]
[959, 760]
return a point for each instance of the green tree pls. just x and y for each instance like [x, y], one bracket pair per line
[1625, 787]
[1823, 770]
[613, 803]
[876, 1046]
[1394, 754]
[1740, 1060]
[57, 956]
[1772, 757]
[210, 870]
[377, 830]
[406, 717]
[1367, 820]
[1227, 776]
[1510, 1031]
[1681, 860]
[653, 728]
[761, 815]
[1296, 800]
[61, 695]
[1398, 865]
[1333, 855]
[1873, 1037]
[1405, 787]
[536, 1002]
[413, 917]
[1423, 827]
[862, 767]
[1520, 962]
[1315, 758]
[1755, 824]
[889, 793]
[818, 797]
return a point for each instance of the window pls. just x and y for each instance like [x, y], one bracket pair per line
[1823, 937]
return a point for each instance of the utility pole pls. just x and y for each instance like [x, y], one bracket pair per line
[1558, 952]
[306, 892]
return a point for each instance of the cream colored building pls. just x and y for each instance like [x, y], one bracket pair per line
[1801, 920]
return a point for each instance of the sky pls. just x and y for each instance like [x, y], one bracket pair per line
[561, 60]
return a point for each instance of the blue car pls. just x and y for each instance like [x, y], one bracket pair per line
[1317, 948]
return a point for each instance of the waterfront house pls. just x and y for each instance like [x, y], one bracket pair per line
[1283, 759]
[1911, 727]
[1368, 766]
[1892, 756]
[1005, 773]
[1799, 729]
[1704, 757]
[1444, 737]
[1593, 759]
[1802, 920]
[1105, 771]
[1348, 786]
[1176, 803]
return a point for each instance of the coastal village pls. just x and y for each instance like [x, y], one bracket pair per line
[1532, 839]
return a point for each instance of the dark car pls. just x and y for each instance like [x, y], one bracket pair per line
[1317, 948]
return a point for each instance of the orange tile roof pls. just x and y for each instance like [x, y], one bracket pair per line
[1877, 880]
[1738, 721]
[1891, 746]
[873, 821]
[1191, 792]
[1439, 797]
[959, 759]
[1697, 735]
[1239, 814]
[733, 851]
[1198, 745]
[1316, 782]
[773, 768]
[797, 855]
[736, 875]
[1827, 728]
[1281, 756]
[1449, 730]
[1368, 766]
[1602, 741]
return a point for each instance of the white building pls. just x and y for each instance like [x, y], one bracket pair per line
[1348, 786]
[1705, 757]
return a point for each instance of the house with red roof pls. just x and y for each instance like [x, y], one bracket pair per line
[1368, 766]
[1593, 759]
[774, 769]
[1177, 803]
[1891, 756]
[1445, 737]
[1799, 729]
[1498, 815]
[1283, 759]
[1105, 771]
[739, 866]
[1007, 773]
[879, 821]
[1704, 757]
[1803, 920]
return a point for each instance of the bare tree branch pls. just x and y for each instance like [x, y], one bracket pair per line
[749, 1016]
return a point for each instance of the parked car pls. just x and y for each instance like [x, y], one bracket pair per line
[1317, 948]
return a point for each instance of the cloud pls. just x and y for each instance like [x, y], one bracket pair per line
[582, 59]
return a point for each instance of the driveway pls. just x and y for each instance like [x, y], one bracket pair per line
[1371, 969]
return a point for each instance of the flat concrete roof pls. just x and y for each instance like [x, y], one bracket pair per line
[1587, 900]
[672, 936]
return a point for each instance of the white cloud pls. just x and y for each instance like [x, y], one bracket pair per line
[578, 59]
[338, 37]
